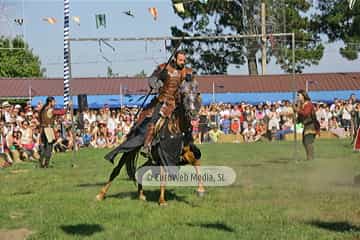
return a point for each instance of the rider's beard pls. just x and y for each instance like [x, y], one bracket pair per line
[180, 66]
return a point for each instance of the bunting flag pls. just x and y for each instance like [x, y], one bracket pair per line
[179, 7]
[50, 20]
[352, 4]
[100, 20]
[129, 13]
[154, 12]
[76, 19]
[19, 21]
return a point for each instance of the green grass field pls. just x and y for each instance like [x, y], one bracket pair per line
[274, 197]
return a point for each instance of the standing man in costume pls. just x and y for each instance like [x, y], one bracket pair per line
[356, 122]
[306, 115]
[47, 136]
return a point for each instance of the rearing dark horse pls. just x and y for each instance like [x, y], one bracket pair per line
[173, 144]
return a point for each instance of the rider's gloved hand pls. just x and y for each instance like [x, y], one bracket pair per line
[188, 77]
[163, 75]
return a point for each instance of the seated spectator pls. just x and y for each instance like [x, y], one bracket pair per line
[335, 129]
[249, 134]
[225, 124]
[5, 158]
[14, 143]
[79, 140]
[27, 141]
[87, 137]
[286, 128]
[94, 131]
[346, 118]
[324, 126]
[260, 130]
[69, 139]
[274, 120]
[299, 128]
[203, 125]
[127, 126]
[235, 126]
[60, 144]
[36, 137]
[259, 112]
[214, 134]
[110, 140]
[101, 141]
[195, 129]
[120, 137]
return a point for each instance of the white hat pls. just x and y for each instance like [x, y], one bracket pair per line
[29, 114]
[17, 106]
[5, 104]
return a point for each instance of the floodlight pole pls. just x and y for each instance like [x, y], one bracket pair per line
[294, 94]
[213, 92]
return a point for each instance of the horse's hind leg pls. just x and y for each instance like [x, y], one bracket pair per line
[141, 192]
[142, 170]
[162, 201]
[201, 189]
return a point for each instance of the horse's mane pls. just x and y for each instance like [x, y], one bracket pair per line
[191, 100]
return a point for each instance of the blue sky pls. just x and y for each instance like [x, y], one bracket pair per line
[129, 58]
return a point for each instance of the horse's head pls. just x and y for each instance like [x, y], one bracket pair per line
[190, 96]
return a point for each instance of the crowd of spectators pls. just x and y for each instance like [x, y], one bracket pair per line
[106, 128]
[272, 121]
[20, 131]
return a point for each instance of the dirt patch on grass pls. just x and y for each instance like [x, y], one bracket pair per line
[19, 171]
[16, 215]
[15, 234]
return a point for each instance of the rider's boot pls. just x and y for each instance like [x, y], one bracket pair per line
[146, 149]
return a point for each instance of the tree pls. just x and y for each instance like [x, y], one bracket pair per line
[243, 17]
[340, 23]
[110, 73]
[141, 74]
[18, 62]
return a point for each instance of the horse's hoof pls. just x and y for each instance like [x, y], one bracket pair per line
[200, 193]
[162, 203]
[142, 197]
[100, 197]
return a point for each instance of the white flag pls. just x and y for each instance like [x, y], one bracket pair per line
[351, 3]
[76, 19]
[179, 7]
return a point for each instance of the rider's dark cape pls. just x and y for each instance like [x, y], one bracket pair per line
[170, 144]
[135, 140]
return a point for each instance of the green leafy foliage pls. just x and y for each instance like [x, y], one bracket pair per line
[17, 60]
[243, 17]
[340, 23]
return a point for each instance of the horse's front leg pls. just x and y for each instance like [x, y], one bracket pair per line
[115, 172]
[101, 195]
[162, 201]
[141, 192]
[201, 189]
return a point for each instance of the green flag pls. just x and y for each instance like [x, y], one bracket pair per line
[100, 20]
